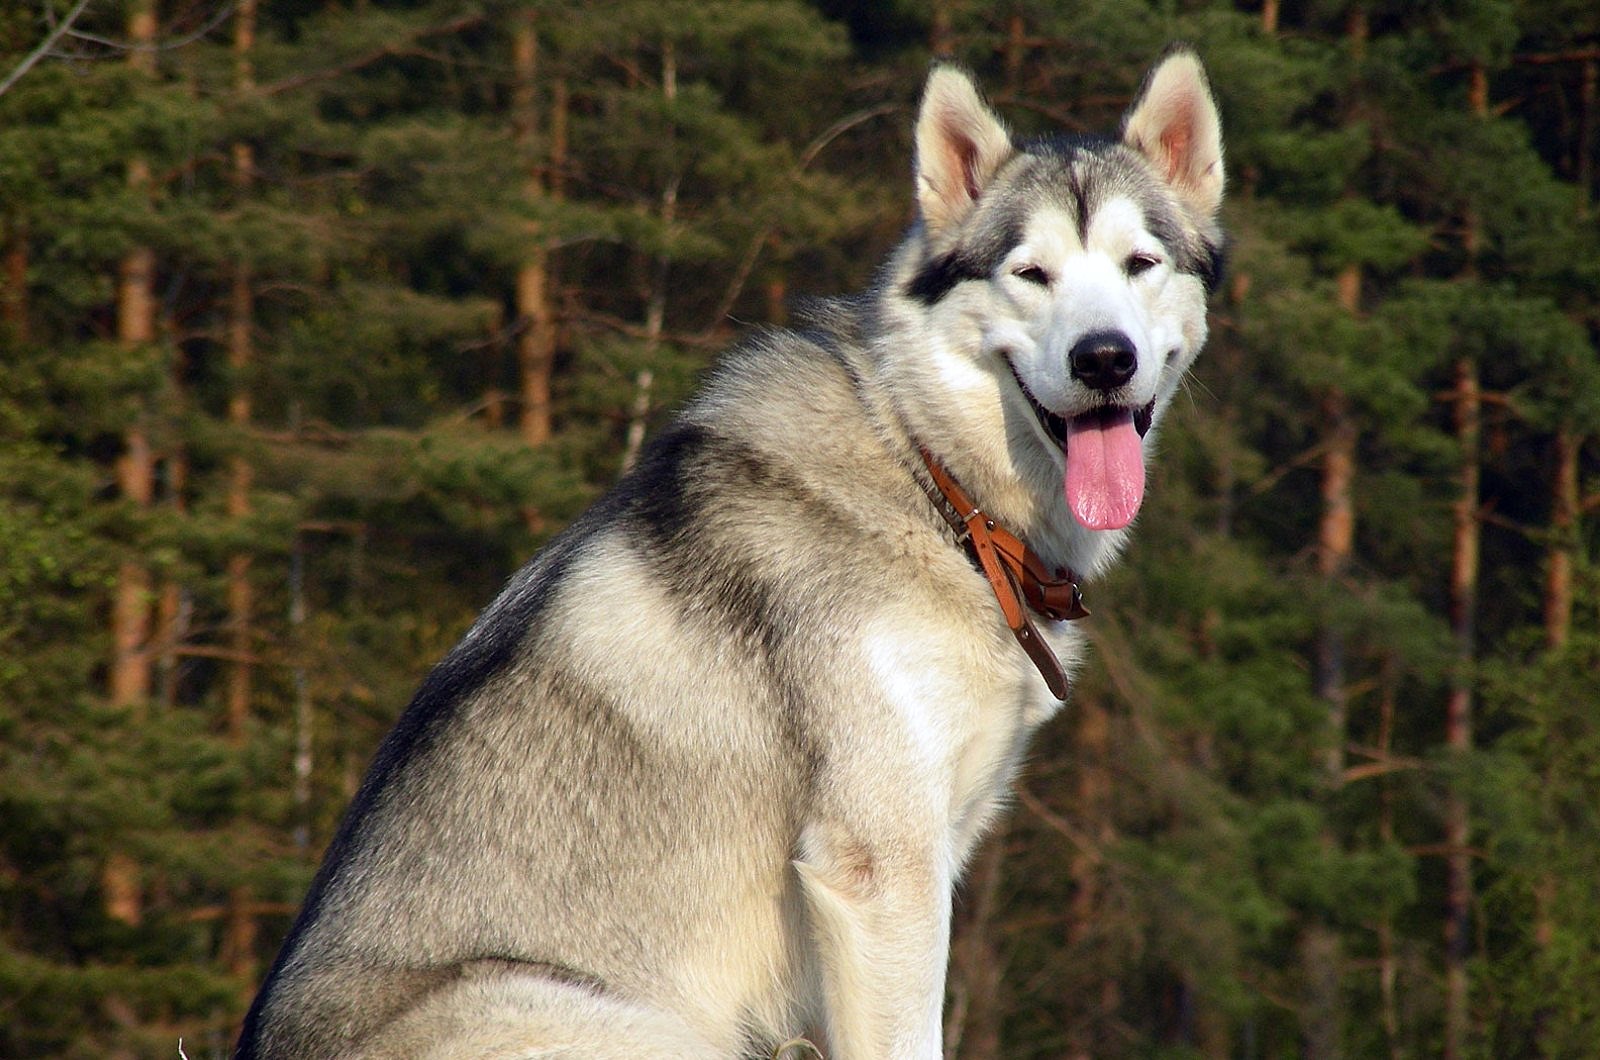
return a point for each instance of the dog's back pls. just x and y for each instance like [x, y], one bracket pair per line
[602, 784]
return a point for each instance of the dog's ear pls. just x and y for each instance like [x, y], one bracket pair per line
[1174, 124]
[960, 145]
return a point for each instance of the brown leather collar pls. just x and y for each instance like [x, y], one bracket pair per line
[1009, 565]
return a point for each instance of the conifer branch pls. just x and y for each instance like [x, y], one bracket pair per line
[1431, 850]
[701, 340]
[741, 274]
[366, 59]
[1058, 824]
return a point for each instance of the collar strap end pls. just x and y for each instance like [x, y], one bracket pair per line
[1011, 566]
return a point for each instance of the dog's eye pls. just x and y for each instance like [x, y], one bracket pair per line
[1033, 274]
[1139, 262]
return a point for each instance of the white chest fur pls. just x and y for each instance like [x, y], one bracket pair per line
[961, 702]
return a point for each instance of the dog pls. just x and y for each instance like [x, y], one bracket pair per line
[701, 779]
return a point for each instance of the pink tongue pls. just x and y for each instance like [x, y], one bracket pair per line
[1105, 470]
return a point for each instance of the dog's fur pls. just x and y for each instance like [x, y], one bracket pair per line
[703, 775]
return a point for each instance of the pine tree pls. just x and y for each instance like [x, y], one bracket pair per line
[333, 226]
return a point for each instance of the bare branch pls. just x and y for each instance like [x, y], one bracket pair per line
[44, 47]
[223, 14]
[839, 128]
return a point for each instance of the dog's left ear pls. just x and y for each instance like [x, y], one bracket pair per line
[960, 145]
[1174, 124]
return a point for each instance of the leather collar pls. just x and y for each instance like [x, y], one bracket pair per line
[1011, 566]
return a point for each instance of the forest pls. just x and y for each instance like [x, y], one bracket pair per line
[317, 317]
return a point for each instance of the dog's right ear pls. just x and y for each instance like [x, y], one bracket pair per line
[960, 145]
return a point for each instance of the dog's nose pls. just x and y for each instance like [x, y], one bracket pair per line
[1103, 360]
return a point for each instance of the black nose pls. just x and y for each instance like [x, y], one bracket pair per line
[1103, 360]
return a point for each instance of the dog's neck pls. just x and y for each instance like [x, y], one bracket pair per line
[1017, 576]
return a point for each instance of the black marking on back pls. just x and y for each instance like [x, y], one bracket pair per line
[661, 491]
[692, 469]
[724, 581]
[483, 653]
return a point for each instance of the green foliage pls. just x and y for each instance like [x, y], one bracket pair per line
[1198, 813]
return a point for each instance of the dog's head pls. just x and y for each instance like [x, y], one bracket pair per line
[1063, 284]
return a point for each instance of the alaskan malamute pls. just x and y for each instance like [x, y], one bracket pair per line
[702, 777]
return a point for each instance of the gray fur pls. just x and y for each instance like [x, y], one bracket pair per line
[702, 777]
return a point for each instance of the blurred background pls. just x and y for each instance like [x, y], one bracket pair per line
[318, 316]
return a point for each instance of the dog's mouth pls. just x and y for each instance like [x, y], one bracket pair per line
[1059, 427]
[1104, 454]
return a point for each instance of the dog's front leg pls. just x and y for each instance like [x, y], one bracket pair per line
[880, 923]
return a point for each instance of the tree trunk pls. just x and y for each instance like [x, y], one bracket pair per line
[14, 287]
[1458, 710]
[656, 306]
[238, 951]
[1586, 132]
[941, 38]
[130, 676]
[972, 1025]
[174, 610]
[1016, 50]
[1388, 964]
[1463, 614]
[1321, 951]
[1564, 537]
[1321, 1022]
[1085, 868]
[536, 334]
[174, 603]
[1336, 537]
[1335, 543]
[778, 300]
[135, 474]
[300, 794]
[239, 931]
[130, 664]
[1269, 17]
[241, 355]
[135, 469]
